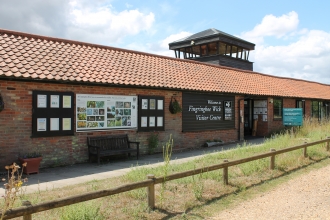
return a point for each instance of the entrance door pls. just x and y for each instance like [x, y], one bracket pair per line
[248, 116]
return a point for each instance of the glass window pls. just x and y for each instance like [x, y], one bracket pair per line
[196, 50]
[301, 104]
[327, 109]
[212, 48]
[203, 50]
[239, 52]
[320, 110]
[315, 109]
[228, 50]
[245, 54]
[222, 48]
[278, 105]
[188, 52]
[234, 51]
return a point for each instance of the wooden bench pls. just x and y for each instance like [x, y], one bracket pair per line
[102, 146]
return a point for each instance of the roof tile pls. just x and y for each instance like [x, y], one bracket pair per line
[31, 56]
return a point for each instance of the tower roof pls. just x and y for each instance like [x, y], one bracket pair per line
[210, 35]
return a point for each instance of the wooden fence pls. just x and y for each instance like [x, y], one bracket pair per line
[27, 209]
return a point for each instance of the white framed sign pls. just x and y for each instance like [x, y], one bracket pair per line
[42, 101]
[41, 124]
[54, 101]
[54, 124]
[95, 112]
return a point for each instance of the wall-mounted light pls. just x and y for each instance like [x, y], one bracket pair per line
[2, 104]
[192, 42]
[271, 100]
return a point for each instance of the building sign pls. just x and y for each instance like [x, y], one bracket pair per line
[105, 112]
[293, 116]
[228, 110]
[207, 112]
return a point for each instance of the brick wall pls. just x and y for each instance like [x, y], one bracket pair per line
[16, 125]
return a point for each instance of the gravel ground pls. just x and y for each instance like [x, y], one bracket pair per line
[304, 197]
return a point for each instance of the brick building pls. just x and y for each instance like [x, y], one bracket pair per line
[58, 92]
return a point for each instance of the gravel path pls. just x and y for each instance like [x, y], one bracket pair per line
[304, 197]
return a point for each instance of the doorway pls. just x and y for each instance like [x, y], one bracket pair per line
[248, 116]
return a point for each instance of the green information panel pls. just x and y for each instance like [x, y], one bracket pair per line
[293, 116]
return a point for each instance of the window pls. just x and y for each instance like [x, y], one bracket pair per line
[196, 50]
[222, 48]
[245, 54]
[239, 53]
[151, 113]
[234, 52]
[301, 104]
[315, 109]
[212, 48]
[228, 50]
[203, 50]
[278, 105]
[320, 109]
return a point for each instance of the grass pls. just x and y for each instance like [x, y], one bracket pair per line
[200, 196]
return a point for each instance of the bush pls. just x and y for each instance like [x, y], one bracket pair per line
[152, 142]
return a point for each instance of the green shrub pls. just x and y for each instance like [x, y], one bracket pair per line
[152, 142]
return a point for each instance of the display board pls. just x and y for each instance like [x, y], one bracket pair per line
[52, 113]
[99, 112]
[293, 116]
[151, 113]
[207, 112]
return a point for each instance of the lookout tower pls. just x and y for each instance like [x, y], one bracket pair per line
[216, 47]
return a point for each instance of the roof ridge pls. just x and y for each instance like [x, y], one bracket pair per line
[107, 47]
[79, 43]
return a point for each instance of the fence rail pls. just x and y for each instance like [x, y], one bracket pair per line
[28, 209]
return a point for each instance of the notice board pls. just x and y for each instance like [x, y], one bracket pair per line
[293, 116]
[52, 113]
[100, 112]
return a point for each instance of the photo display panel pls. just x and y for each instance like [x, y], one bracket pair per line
[99, 112]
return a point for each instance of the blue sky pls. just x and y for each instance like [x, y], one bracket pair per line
[292, 37]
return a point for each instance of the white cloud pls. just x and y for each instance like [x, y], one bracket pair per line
[174, 37]
[160, 47]
[272, 26]
[164, 48]
[94, 21]
[128, 5]
[307, 58]
[104, 25]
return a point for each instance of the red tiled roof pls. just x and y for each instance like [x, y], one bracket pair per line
[27, 56]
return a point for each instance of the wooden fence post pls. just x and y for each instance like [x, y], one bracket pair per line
[151, 192]
[27, 203]
[305, 151]
[328, 147]
[225, 173]
[272, 160]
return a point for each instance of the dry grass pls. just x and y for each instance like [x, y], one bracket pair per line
[194, 197]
